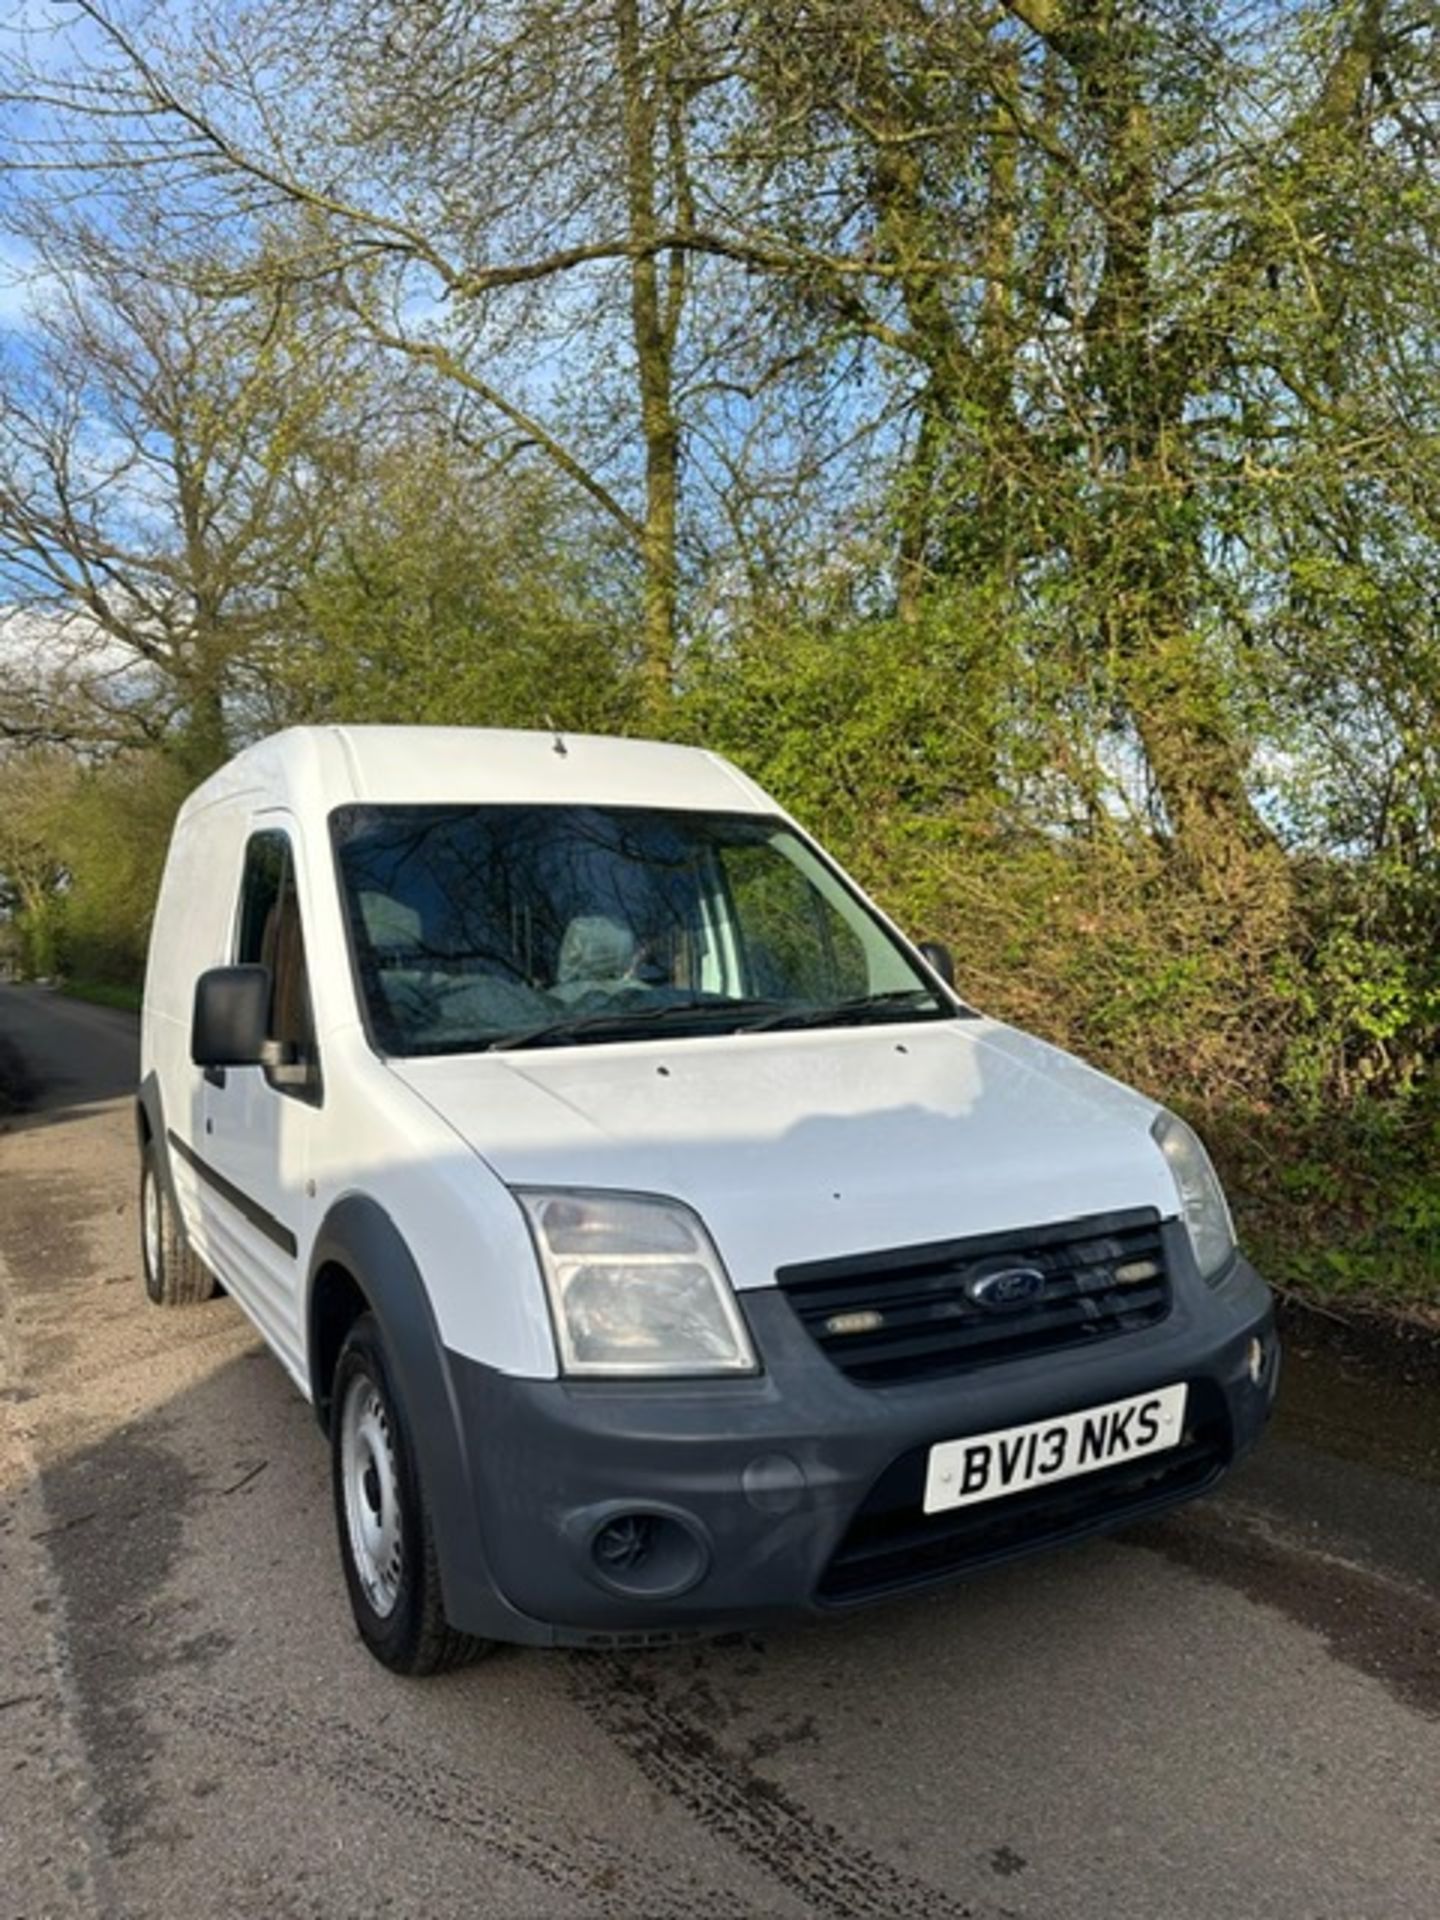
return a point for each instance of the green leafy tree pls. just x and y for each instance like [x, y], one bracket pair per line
[454, 594]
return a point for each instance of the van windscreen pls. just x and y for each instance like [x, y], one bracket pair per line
[498, 926]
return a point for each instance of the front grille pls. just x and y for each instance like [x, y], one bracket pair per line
[892, 1545]
[909, 1314]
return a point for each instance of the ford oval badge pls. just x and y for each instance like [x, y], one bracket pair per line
[1010, 1287]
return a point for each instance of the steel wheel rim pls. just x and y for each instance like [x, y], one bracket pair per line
[370, 1487]
[151, 1231]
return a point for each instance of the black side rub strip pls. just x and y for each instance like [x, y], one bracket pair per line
[263, 1222]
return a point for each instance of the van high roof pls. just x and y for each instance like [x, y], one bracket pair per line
[318, 768]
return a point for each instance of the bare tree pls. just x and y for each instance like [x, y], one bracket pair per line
[168, 469]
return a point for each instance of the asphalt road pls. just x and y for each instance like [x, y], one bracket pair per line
[1235, 1712]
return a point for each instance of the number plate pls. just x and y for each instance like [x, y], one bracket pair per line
[987, 1466]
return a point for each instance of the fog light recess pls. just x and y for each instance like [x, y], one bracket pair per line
[647, 1553]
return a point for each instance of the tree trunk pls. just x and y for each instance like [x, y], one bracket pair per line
[916, 510]
[1179, 713]
[1151, 547]
[654, 320]
[203, 740]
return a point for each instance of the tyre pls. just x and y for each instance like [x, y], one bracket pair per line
[174, 1276]
[387, 1544]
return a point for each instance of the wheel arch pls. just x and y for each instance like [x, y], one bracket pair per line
[150, 1137]
[337, 1300]
[360, 1262]
[149, 1112]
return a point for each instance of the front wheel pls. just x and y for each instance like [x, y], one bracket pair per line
[387, 1544]
[174, 1276]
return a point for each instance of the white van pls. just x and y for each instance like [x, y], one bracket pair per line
[663, 1244]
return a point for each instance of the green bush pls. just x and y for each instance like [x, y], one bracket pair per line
[110, 833]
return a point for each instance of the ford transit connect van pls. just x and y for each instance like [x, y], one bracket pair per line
[663, 1243]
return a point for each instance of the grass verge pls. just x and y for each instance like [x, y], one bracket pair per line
[1344, 1216]
[104, 993]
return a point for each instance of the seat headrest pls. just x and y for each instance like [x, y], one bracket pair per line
[594, 947]
[390, 925]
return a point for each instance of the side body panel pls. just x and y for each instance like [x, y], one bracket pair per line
[459, 1223]
[190, 933]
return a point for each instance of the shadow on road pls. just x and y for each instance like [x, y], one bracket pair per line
[59, 1057]
[17, 1086]
[25, 1119]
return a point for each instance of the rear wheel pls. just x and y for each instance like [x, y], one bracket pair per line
[174, 1277]
[387, 1544]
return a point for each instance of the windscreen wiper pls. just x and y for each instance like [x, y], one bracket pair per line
[619, 1022]
[858, 1009]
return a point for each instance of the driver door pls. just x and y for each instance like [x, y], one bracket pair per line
[259, 1121]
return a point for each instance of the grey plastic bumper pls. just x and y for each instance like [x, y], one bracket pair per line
[757, 1484]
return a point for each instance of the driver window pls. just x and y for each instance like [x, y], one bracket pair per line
[269, 934]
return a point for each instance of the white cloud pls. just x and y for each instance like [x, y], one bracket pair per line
[54, 657]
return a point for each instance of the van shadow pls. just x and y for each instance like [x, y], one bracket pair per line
[30, 1119]
[210, 1640]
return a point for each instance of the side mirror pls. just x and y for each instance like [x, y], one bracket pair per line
[938, 957]
[231, 1018]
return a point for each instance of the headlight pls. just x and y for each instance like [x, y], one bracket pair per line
[635, 1286]
[1202, 1198]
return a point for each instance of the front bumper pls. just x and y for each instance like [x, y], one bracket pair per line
[799, 1492]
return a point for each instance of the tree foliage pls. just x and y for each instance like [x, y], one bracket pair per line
[446, 597]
